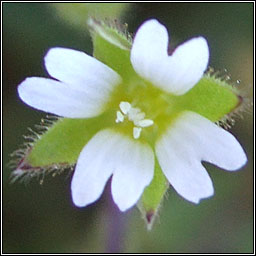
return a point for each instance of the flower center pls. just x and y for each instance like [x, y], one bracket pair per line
[134, 115]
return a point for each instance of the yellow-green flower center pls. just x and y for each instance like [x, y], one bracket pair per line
[142, 110]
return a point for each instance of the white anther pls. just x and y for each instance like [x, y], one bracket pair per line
[138, 117]
[133, 114]
[145, 123]
[125, 107]
[136, 132]
[119, 117]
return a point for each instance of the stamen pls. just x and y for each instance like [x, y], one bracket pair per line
[138, 117]
[135, 114]
[119, 117]
[125, 107]
[145, 123]
[136, 132]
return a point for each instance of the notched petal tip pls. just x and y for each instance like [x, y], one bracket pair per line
[196, 139]
[83, 88]
[107, 153]
[134, 171]
[188, 63]
[177, 73]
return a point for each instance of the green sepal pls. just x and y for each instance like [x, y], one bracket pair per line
[153, 195]
[64, 140]
[211, 97]
[112, 47]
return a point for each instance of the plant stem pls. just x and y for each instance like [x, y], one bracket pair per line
[115, 222]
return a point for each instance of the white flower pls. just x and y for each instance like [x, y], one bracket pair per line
[84, 89]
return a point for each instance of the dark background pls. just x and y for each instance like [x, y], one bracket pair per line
[42, 219]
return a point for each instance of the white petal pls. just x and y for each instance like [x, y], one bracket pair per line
[177, 73]
[216, 145]
[149, 48]
[189, 140]
[186, 66]
[105, 153]
[61, 99]
[80, 70]
[134, 171]
[150, 44]
[185, 173]
[94, 167]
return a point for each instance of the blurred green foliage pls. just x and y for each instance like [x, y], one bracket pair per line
[42, 219]
[76, 14]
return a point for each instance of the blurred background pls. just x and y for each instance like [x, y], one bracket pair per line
[42, 219]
